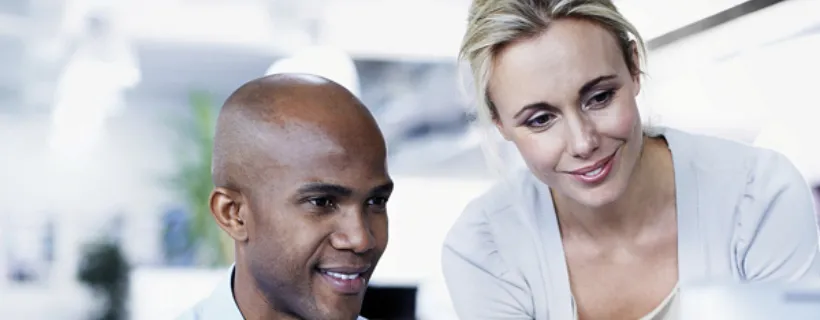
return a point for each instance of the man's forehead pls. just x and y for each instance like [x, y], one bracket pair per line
[299, 137]
[298, 145]
[335, 174]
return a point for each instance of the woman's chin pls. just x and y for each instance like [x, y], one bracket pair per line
[598, 197]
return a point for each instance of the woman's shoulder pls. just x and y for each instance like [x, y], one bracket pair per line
[748, 178]
[758, 200]
[709, 151]
[721, 158]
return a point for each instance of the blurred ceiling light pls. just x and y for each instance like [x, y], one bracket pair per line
[241, 24]
[325, 61]
[91, 87]
[420, 30]
[654, 18]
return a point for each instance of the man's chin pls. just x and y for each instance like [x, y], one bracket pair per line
[333, 305]
[339, 311]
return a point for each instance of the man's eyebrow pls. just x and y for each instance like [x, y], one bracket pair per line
[383, 189]
[326, 188]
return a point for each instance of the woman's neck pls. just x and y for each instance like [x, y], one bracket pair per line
[650, 192]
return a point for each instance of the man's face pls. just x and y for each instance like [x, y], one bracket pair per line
[317, 218]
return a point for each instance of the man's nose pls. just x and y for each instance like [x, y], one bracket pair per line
[353, 233]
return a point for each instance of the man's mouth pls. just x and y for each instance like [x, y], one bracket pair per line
[341, 276]
[346, 280]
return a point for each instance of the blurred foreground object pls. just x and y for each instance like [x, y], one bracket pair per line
[105, 270]
[761, 301]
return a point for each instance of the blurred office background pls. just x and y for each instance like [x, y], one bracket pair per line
[106, 108]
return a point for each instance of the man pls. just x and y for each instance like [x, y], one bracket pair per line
[301, 184]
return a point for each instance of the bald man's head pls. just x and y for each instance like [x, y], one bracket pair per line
[278, 105]
[301, 180]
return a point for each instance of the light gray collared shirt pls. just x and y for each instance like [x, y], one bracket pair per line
[220, 305]
[744, 214]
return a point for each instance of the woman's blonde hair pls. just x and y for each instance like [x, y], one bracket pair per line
[492, 24]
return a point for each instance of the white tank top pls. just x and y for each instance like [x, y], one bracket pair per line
[668, 309]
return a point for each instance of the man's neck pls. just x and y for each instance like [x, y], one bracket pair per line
[251, 301]
[650, 191]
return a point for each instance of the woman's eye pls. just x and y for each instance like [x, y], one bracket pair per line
[540, 120]
[599, 99]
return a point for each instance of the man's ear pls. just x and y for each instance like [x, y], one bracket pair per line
[226, 208]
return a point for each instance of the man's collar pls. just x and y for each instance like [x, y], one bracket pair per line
[221, 305]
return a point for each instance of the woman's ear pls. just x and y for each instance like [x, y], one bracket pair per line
[636, 61]
[501, 129]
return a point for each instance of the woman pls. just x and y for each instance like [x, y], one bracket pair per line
[610, 218]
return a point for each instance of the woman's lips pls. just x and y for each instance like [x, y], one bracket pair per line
[596, 173]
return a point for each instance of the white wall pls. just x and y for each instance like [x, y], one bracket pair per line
[720, 82]
[421, 212]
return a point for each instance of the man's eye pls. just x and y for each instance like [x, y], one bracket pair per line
[377, 201]
[321, 202]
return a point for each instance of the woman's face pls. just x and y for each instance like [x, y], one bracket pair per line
[567, 100]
